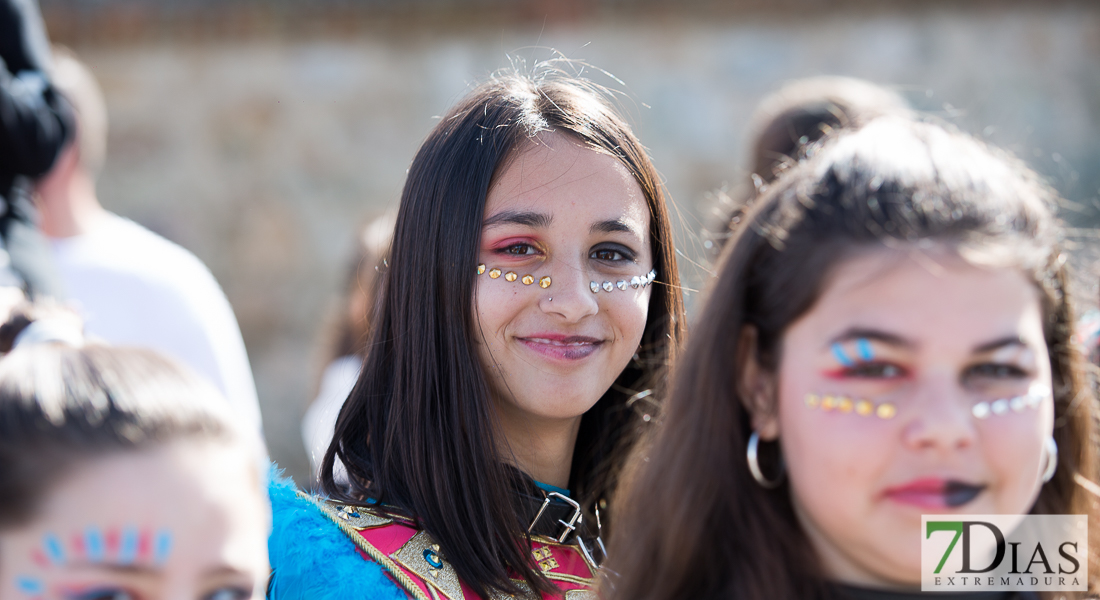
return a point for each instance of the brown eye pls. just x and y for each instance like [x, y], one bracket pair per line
[611, 254]
[996, 371]
[875, 370]
[231, 593]
[519, 249]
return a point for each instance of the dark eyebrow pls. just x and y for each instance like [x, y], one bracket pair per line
[1010, 340]
[135, 569]
[612, 226]
[528, 219]
[884, 337]
[225, 570]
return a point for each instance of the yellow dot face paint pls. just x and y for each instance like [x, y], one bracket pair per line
[846, 405]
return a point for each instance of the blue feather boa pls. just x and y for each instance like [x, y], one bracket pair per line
[311, 559]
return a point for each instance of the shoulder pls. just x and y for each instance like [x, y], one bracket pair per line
[313, 558]
[121, 245]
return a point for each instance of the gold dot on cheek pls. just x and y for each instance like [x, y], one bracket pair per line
[812, 401]
[527, 280]
[480, 269]
[886, 411]
[510, 276]
[494, 272]
[844, 404]
[828, 403]
[544, 282]
[864, 408]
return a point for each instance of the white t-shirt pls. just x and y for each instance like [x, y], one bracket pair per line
[319, 422]
[135, 288]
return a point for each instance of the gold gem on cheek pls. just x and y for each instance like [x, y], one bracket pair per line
[844, 404]
[544, 282]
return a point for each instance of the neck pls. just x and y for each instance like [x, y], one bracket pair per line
[543, 449]
[69, 207]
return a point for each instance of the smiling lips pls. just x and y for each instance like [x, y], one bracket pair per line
[935, 493]
[562, 347]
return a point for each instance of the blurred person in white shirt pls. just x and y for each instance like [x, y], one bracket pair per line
[131, 286]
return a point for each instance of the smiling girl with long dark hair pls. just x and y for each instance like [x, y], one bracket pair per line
[529, 305]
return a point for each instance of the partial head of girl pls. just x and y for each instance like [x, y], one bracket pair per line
[124, 478]
[531, 293]
[890, 335]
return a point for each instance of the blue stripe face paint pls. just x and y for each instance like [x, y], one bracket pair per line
[864, 348]
[53, 548]
[93, 544]
[128, 546]
[162, 547]
[841, 356]
[30, 586]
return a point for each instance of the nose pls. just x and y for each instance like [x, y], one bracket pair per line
[569, 296]
[939, 419]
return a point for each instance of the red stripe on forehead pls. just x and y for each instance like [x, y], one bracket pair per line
[114, 540]
[145, 545]
[39, 558]
[78, 545]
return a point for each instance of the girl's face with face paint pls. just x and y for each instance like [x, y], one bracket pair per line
[916, 384]
[185, 520]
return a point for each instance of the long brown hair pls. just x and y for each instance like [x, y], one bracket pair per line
[692, 521]
[417, 433]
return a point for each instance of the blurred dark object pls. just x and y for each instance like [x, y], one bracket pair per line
[806, 110]
[785, 123]
[35, 124]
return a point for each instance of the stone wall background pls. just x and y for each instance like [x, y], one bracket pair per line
[260, 145]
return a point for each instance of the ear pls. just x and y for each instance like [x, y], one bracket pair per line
[756, 386]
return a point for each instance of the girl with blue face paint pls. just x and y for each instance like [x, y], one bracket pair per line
[124, 478]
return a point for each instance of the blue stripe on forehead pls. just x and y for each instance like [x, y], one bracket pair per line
[841, 356]
[864, 348]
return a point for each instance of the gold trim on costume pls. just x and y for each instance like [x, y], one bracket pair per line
[402, 579]
[525, 591]
[357, 517]
[415, 556]
[577, 579]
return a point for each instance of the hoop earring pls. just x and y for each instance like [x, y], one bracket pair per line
[1051, 448]
[754, 465]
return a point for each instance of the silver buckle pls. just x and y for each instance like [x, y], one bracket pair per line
[574, 521]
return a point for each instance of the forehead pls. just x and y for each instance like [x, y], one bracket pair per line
[557, 175]
[933, 298]
[205, 494]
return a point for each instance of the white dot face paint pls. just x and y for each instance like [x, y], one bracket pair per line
[187, 518]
